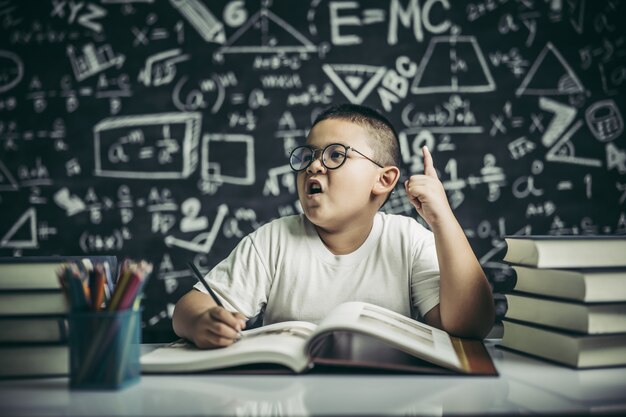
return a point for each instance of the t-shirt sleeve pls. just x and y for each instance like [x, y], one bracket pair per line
[425, 273]
[241, 280]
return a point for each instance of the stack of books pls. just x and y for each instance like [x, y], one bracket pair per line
[33, 316]
[569, 300]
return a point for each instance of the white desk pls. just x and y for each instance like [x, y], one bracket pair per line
[524, 386]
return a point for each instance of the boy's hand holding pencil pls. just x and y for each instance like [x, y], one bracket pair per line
[216, 327]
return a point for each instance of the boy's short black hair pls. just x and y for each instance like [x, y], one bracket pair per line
[383, 140]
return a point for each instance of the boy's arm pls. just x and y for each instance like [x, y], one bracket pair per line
[466, 305]
[198, 318]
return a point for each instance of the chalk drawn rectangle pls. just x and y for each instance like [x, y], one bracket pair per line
[153, 146]
[213, 171]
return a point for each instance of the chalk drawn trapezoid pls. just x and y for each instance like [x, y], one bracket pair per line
[467, 70]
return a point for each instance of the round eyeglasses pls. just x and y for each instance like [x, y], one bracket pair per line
[333, 156]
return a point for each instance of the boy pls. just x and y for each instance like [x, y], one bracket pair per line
[342, 248]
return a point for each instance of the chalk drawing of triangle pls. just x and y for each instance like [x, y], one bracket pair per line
[7, 181]
[265, 32]
[564, 151]
[356, 82]
[550, 74]
[26, 223]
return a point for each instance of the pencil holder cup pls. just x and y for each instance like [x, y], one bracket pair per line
[104, 349]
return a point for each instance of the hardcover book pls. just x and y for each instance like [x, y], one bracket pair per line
[567, 315]
[566, 251]
[33, 360]
[586, 285]
[353, 335]
[33, 329]
[40, 272]
[572, 349]
[33, 303]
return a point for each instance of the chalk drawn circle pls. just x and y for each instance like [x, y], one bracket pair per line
[11, 70]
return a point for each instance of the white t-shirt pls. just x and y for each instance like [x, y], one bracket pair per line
[285, 268]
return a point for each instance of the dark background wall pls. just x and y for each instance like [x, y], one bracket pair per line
[160, 129]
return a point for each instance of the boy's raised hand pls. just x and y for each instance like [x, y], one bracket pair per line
[427, 194]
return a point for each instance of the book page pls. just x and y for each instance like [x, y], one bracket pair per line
[423, 341]
[280, 343]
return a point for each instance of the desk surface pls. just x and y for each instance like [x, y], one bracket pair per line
[525, 385]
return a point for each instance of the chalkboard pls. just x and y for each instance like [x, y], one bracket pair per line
[161, 129]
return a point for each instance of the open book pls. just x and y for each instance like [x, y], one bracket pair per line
[354, 334]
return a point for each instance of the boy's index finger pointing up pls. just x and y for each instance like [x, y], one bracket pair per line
[429, 166]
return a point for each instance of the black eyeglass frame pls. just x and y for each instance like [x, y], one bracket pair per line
[315, 151]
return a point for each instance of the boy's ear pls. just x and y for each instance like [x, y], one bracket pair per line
[386, 180]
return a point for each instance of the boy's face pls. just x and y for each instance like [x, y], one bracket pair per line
[345, 191]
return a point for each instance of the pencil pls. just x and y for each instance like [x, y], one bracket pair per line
[98, 283]
[200, 278]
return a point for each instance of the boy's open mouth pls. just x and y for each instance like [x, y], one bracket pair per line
[314, 187]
